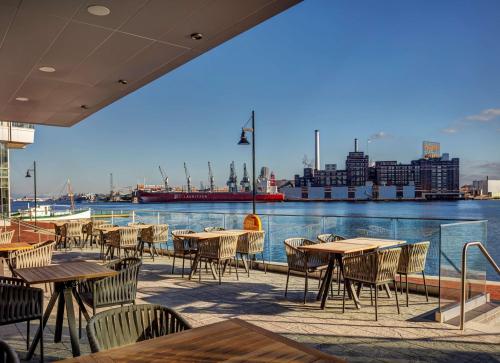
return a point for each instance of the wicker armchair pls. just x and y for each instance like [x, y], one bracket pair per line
[213, 229]
[249, 244]
[123, 239]
[100, 237]
[40, 255]
[375, 269]
[18, 303]
[6, 237]
[182, 246]
[153, 235]
[220, 250]
[303, 262]
[7, 353]
[131, 324]
[72, 232]
[412, 260]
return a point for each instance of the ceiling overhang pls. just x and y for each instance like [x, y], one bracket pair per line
[137, 42]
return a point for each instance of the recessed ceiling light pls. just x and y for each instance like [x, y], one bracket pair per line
[122, 81]
[22, 99]
[47, 69]
[98, 10]
[196, 36]
[85, 107]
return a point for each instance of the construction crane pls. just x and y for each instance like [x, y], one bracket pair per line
[164, 177]
[188, 178]
[211, 179]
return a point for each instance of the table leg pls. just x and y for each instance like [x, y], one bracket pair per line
[46, 316]
[212, 269]
[387, 290]
[325, 284]
[59, 315]
[70, 312]
[245, 263]
[80, 303]
[194, 265]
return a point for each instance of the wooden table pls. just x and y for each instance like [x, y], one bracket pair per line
[65, 278]
[336, 251]
[228, 341]
[15, 246]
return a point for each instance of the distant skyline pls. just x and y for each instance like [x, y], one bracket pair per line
[397, 73]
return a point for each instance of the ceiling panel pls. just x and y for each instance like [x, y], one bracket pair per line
[139, 41]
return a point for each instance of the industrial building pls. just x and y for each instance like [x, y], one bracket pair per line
[488, 188]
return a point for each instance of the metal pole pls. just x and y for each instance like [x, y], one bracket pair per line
[253, 162]
[34, 182]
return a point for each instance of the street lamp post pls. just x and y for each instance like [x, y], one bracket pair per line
[28, 175]
[244, 141]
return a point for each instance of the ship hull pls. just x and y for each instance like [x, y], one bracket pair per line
[178, 197]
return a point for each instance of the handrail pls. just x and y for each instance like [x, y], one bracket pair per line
[464, 274]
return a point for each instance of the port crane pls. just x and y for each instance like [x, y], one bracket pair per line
[188, 178]
[211, 179]
[164, 177]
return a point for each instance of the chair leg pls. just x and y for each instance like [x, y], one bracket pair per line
[338, 280]
[173, 264]
[264, 263]
[320, 275]
[371, 295]
[199, 271]
[376, 303]
[220, 272]
[28, 335]
[183, 263]
[396, 293]
[401, 283]
[305, 287]
[79, 323]
[41, 341]
[236, 268]
[287, 278]
[406, 277]
[343, 300]
[425, 287]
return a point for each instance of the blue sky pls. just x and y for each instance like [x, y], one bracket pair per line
[398, 72]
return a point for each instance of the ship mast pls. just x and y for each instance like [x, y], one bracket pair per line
[71, 196]
[188, 178]
[211, 179]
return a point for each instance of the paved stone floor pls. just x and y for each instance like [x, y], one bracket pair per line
[354, 336]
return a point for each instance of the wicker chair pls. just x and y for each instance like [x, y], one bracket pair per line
[153, 235]
[38, 256]
[18, 303]
[412, 260]
[72, 232]
[131, 324]
[220, 250]
[115, 290]
[303, 262]
[375, 269]
[249, 244]
[182, 246]
[100, 237]
[213, 229]
[6, 237]
[7, 354]
[123, 239]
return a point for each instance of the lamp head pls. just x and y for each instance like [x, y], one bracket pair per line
[28, 175]
[243, 139]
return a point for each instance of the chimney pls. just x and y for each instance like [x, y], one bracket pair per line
[356, 145]
[317, 164]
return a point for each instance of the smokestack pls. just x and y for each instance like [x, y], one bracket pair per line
[317, 164]
[356, 145]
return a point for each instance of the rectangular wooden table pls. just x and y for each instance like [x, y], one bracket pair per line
[228, 341]
[15, 246]
[65, 278]
[336, 251]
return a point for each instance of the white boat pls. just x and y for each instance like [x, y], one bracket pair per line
[47, 212]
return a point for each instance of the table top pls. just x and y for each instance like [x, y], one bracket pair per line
[229, 341]
[15, 246]
[351, 245]
[214, 234]
[69, 271]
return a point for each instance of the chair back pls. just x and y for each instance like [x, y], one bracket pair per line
[213, 229]
[374, 267]
[131, 324]
[6, 237]
[7, 353]
[251, 242]
[73, 229]
[329, 237]
[38, 256]
[155, 234]
[128, 236]
[222, 247]
[296, 259]
[182, 244]
[19, 303]
[413, 257]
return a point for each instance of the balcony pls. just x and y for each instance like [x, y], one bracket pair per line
[16, 135]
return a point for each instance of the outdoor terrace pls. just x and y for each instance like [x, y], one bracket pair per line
[354, 335]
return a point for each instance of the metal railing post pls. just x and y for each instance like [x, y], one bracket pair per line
[158, 218]
[133, 216]
[112, 218]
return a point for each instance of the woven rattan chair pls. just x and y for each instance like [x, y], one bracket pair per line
[182, 246]
[6, 237]
[219, 251]
[303, 262]
[100, 237]
[412, 261]
[154, 235]
[124, 239]
[374, 269]
[114, 290]
[20, 303]
[72, 233]
[213, 229]
[38, 256]
[7, 353]
[131, 324]
[249, 244]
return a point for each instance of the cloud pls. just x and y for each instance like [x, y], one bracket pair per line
[380, 135]
[450, 130]
[485, 115]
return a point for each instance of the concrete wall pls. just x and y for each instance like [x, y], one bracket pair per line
[292, 192]
[387, 192]
[409, 192]
[316, 193]
[339, 192]
[363, 193]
